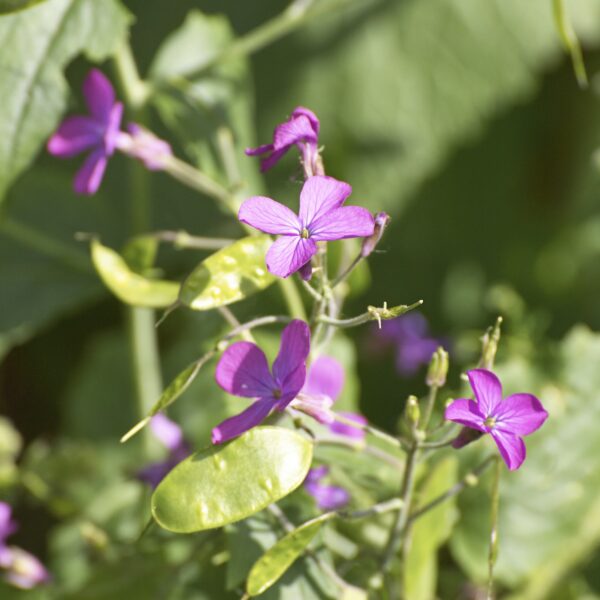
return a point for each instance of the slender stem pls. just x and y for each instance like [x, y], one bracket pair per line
[197, 180]
[182, 239]
[390, 439]
[468, 480]
[372, 314]
[346, 323]
[429, 407]
[255, 323]
[396, 536]
[377, 509]
[136, 91]
[493, 551]
[440, 444]
[345, 274]
[310, 289]
[292, 298]
[41, 242]
[358, 446]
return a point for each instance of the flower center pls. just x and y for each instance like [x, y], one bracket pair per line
[277, 393]
[304, 234]
[490, 422]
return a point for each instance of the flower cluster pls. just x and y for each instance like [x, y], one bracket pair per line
[21, 569]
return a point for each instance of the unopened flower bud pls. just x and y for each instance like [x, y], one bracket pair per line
[465, 437]
[489, 345]
[438, 369]
[471, 479]
[412, 412]
[369, 244]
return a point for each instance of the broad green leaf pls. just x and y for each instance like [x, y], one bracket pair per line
[224, 484]
[554, 496]
[42, 41]
[229, 275]
[127, 285]
[8, 6]
[430, 532]
[280, 557]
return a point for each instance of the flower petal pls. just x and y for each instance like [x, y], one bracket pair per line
[288, 254]
[259, 150]
[348, 430]
[167, 432]
[325, 377]
[310, 115]
[512, 448]
[521, 414]
[297, 129]
[75, 135]
[271, 160]
[319, 195]
[269, 216]
[342, 223]
[247, 419]
[89, 177]
[99, 95]
[289, 368]
[487, 389]
[466, 412]
[328, 497]
[243, 371]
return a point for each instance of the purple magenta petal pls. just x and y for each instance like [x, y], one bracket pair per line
[289, 254]
[487, 389]
[243, 371]
[344, 429]
[289, 368]
[342, 223]
[271, 160]
[512, 448]
[310, 115]
[154, 473]
[325, 377]
[269, 216]
[305, 271]
[320, 195]
[328, 497]
[25, 571]
[316, 406]
[315, 475]
[75, 135]
[294, 131]
[521, 414]
[234, 426]
[7, 524]
[167, 432]
[466, 412]
[113, 128]
[89, 177]
[259, 150]
[99, 95]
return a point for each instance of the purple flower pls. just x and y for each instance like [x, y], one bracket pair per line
[409, 335]
[505, 420]
[322, 218]
[243, 371]
[324, 383]
[169, 434]
[96, 133]
[369, 244]
[301, 130]
[145, 147]
[328, 497]
[22, 569]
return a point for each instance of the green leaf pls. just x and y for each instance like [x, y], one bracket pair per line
[127, 285]
[42, 42]
[229, 275]
[223, 484]
[280, 557]
[430, 531]
[8, 6]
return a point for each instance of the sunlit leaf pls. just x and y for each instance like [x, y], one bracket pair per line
[228, 275]
[223, 484]
[127, 285]
[280, 557]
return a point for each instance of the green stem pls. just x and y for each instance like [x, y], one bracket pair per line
[397, 534]
[429, 407]
[493, 551]
[390, 439]
[359, 446]
[39, 241]
[136, 91]
[182, 239]
[292, 298]
[346, 273]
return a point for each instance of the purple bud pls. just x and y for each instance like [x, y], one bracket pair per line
[369, 244]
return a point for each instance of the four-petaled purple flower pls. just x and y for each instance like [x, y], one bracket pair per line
[96, 133]
[22, 569]
[328, 497]
[321, 218]
[505, 420]
[301, 130]
[408, 334]
[170, 435]
[243, 371]
[324, 383]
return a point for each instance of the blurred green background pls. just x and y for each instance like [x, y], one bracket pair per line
[460, 118]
